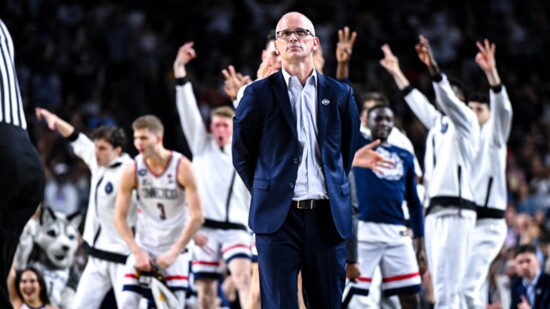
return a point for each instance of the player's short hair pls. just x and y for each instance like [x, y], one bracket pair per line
[149, 122]
[458, 87]
[525, 249]
[378, 97]
[479, 97]
[111, 134]
[377, 107]
[270, 37]
[223, 111]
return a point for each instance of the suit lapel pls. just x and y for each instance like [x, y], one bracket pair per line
[323, 108]
[281, 93]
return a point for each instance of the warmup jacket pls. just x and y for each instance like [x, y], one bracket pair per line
[224, 196]
[101, 238]
[451, 146]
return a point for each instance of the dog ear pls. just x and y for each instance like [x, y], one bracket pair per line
[75, 219]
[47, 215]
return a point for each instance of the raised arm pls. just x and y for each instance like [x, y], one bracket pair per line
[190, 118]
[186, 178]
[83, 147]
[344, 49]
[417, 102]
[461, 115]
[501, 108]
[122, 206]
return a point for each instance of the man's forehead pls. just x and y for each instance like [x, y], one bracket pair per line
[294, 20]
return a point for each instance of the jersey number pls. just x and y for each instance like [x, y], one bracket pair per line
[162, 212]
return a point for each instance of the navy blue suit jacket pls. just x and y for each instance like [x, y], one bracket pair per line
[542, 292]
[266, 151]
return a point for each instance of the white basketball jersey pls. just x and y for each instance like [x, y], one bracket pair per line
[162, 212]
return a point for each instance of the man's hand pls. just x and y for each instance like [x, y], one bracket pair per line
[143, 260]
[167, 258]
[233, 82]
[390, 61]
[344, 48]
[366, 157]
[425, 55]
[524, 303]
[485, 58]
[420, 255]
[265, 69]
[352, 271]
[44, 114]
[186, 53]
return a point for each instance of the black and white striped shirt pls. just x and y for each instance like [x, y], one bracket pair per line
[11, 105]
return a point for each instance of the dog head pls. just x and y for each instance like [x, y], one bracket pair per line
[57, 238]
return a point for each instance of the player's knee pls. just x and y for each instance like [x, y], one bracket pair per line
[242, 279]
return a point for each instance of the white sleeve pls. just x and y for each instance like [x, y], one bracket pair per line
[401, 140]
[190, 118]
[84, 148]
[422, 108]
[501, 116]
[463, 118]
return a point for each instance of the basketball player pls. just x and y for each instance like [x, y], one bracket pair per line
[106, 249]
[225, 231]
[169, 212]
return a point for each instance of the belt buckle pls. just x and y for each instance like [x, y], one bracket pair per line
[305, 204]
[301, 205]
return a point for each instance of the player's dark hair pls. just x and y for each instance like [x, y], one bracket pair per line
[113, 135]
[378, 97]
[526, 249]
[479, 97]
[376, 107]
[41, 282]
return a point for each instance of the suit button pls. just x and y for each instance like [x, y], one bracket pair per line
[291, 185]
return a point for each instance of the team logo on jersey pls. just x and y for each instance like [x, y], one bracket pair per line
[392, 173]
[444, 126]
[142, 172]
[109, 188]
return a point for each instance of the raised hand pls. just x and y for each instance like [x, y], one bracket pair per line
[485, 58]
[233, 81]
[44, 114]
[344, 48]
[425, 55]
[186, 53]
[390, 61]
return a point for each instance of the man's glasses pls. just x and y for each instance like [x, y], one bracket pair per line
[299, 32]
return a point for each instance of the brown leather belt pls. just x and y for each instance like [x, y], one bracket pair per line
[308, 204]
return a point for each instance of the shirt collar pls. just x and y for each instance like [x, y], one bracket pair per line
[533, 282]
[287, 76]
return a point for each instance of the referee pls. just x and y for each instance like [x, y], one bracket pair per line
[21, 172]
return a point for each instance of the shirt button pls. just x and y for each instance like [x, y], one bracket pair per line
[291, 185]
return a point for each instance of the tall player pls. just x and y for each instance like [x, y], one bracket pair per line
[222, 191]
[489, 181]
[169, 212]
[450, 150]
[106, 249]
[21, 172]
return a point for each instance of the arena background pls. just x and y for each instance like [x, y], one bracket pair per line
[107, 61]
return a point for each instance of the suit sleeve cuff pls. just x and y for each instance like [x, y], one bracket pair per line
[180, 81]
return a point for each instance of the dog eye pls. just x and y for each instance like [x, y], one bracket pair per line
[51, 233]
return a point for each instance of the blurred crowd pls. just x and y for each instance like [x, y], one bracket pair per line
[107, 62]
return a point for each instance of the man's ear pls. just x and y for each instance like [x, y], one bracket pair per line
[316, 43]
[276, 47]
